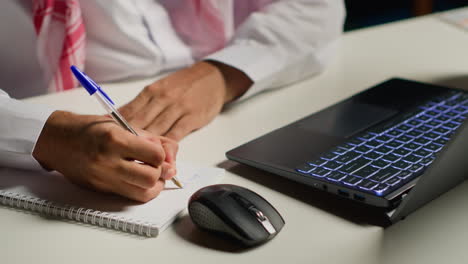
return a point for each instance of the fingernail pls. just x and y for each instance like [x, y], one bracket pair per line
[171, 173]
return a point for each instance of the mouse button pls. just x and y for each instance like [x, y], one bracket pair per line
[263, 219]
[273, 215]
[255, 212]
[266, 208]
[207, 219]
[238, 219]
[241, 200]
[244, 220]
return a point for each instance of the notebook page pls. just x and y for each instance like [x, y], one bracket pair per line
[159, 212]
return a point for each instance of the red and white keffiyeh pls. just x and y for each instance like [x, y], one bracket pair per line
[60, 40]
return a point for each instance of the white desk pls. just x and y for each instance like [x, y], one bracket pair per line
[423, 49]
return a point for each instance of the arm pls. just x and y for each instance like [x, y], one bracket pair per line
[286, 42]
[89, 150]
[21, 125]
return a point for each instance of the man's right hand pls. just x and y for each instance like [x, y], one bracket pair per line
[95, 152]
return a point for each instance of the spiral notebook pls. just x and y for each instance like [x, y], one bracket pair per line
[52, 195]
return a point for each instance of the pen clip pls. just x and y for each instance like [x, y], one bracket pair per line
[98, 88]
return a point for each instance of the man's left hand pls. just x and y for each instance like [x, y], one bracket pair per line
[186, 100]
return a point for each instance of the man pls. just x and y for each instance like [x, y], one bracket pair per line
[222, 50]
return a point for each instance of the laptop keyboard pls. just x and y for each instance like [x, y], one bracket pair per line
[382, 160]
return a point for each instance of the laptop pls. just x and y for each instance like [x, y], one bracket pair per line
[395, 146]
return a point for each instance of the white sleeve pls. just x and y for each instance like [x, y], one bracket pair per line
[287, 41]
[21, 125]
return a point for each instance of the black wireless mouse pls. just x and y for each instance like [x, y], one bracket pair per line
[235, 211]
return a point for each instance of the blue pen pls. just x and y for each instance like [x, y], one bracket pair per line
[96, 91]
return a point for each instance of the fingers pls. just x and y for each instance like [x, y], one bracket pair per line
[142, 149]
[170, 147]
[151, 109]
[168, 171]
[182, 127]
[165, 120]
[131, 109]
[139, 174]
[139, 194]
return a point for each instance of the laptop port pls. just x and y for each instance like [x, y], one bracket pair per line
[324, 187]
[358, 197]
[343, 193]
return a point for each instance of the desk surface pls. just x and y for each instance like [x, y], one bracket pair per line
[318, 228]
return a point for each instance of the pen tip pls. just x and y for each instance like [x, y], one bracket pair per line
[177, 182]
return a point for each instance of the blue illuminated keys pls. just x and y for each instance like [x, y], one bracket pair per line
[305, 168]
[441, 130]
[415, 133]
[372, 155]
[320, 172]
[416, 167]
[384, 174]
[403, 127]
[391, 155]
[374, 143]
[404, 138]
[347, 157]
[405, 175]
[421, 141]
[317, 162]
[427, 161]
[451, 125]
[441, 141]
[355, 165]
[412, 146]
[425, 128]
[383, 150]
[433, 147]
[394, 144]
[332, 165]
[336, 176]
[412, 158]
[367, 184]
[365, 171]
[363, 149]
[402, 165]
[401, 151]
[381, 188]
[351, 180]
[414, 123]
[380, 163]
[393, 181]
[384, 138]
[329, 156]
[394, 133]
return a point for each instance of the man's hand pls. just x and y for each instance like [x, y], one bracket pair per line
[186, 100]
[95, 152]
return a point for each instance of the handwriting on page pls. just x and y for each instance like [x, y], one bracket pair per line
[188, 181]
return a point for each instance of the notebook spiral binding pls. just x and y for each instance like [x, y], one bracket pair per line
[83, 215]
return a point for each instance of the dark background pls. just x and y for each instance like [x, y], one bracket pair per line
[364, 13]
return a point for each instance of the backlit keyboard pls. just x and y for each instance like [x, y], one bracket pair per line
[381, 160]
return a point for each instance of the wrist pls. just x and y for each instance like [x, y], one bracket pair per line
[46, 145]
[236, 82]
[57, 139]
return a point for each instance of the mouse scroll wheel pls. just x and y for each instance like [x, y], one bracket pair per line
[263, 220]
[258, 213]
